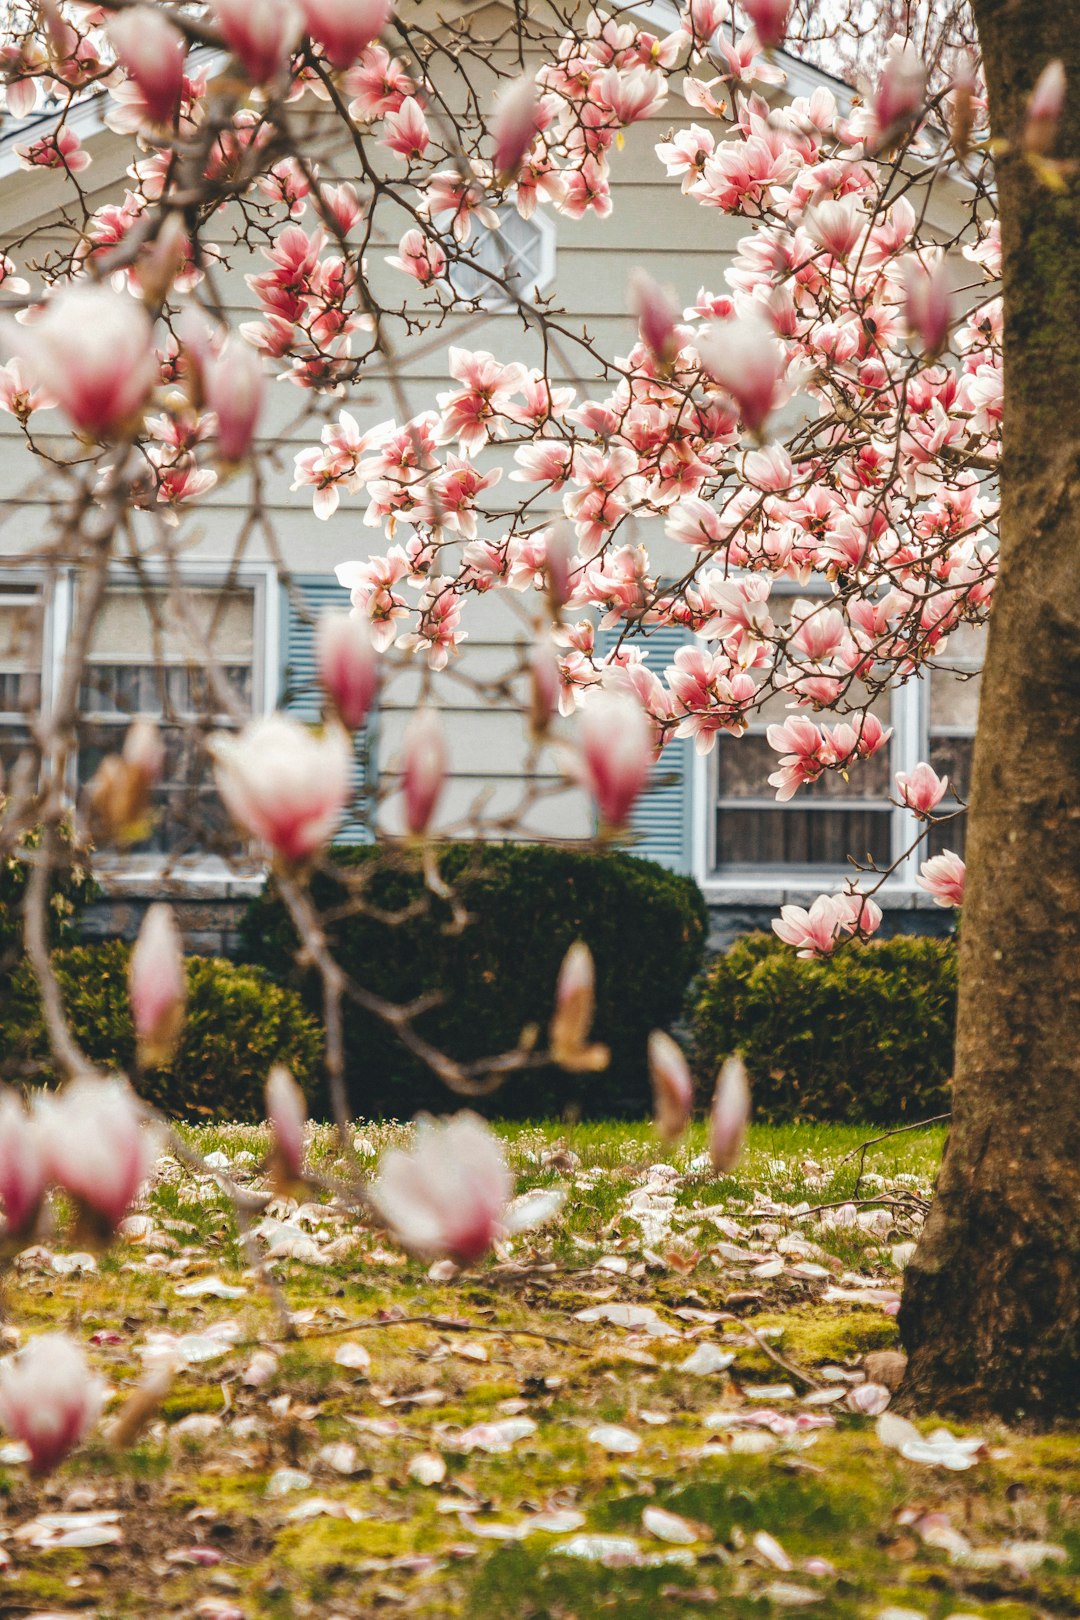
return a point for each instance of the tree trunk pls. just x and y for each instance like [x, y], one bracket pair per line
[991, 1305]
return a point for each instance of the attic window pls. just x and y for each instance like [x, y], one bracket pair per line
[520, 252]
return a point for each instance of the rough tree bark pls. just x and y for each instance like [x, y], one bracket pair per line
[991, 1306]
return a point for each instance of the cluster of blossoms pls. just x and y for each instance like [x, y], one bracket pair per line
[819, 434]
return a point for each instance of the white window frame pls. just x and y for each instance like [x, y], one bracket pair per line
[121, 873]
[800, 885]
[495, 300]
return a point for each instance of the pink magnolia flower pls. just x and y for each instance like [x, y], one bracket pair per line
[836, 224]
[49, 1399]
[617, 754]
[62, 149]
[18, 395]
[345, 28]
[97, 1147]
[447, 1195]
[770, 20]
[23, 1175]
[157, 986]
[92, 351]
[406, 130]
[348, 665]
[515, 124]
[286, 1109]
[152, 53]
[943, 877]
[423, 769]
[672, 1085]
[420, 256]
[729, 1115]
[921, 789]
[1044, 109]
[284, 783]
[657, 315]
[262, 34]
[814, 932]
[744, 357]
[900, 90]
[927, 304]
[801, 747]
[483, 403]
[233, 389]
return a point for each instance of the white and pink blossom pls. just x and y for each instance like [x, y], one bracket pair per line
[284, 783]
[943, 877]
[49, 1399]
[447, 1195]
[157, 986]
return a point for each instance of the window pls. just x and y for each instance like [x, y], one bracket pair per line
[22, 615]
[150, 655]
[813, 836]
[820, 827]
[520, 251]
[954, 708]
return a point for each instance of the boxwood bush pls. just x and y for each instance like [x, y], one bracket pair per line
[238, 1023]
[526, 905]
[866, 1034]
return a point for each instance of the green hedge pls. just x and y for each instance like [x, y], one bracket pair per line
[527, 903]
[866, 1034]
[238, 1023]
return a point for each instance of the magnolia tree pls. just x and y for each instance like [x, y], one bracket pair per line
[820, 434]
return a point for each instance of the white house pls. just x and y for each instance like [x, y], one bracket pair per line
[714, 817]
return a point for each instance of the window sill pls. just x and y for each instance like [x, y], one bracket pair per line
[802, 890]
[155, 878]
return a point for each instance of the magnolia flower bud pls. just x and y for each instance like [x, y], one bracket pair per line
[617, 754]
[742, 354]
[447, 1195]
[901, 90]
[672, 1084]
[575, 1006]
[49, 1399]
[23, 1176]
[347, 665]
[544, 685]
[558, 550]
[927, 306]
[770, 20]
[119, 793]
[657, 315]
[157, 986]
[262, 34]
[159, 264]
[423, 770]
[93, 352]
[97, 1148]
[232, 384]
[344, 28]
[729, 1115]
[286, 1109]
[514, 126]
[152, 53]
[285, 784]
[1044, 109]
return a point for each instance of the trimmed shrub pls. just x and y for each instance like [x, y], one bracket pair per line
[238, 1023]
[866, 1034]
[526, 904]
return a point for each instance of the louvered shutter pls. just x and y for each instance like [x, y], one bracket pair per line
[662, 816]
[300, 693]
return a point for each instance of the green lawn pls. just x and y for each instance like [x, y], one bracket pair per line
[420, 1445]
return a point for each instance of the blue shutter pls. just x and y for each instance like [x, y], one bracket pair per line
[300, 691]
[661, 818]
